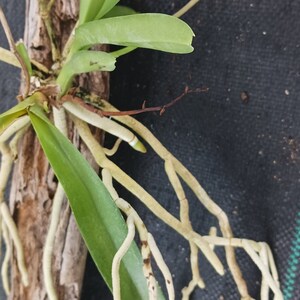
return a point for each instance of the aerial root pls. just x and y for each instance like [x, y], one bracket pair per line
[114, 149]
[60, 122]
[203, 197]
[14, 50]
[6, 260]
[15, 128]
[145, 197]
[268, 279]
[13, 232]
[196, 280]
[185, 8]
[264, 290]
[128, 210]
[148, 244]
[119, 255]
[49, 243]
[162, 266]
[105, 124]
[5, 169]
[260, 254]
[7, 223]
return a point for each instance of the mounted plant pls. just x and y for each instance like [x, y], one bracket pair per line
[50, 92]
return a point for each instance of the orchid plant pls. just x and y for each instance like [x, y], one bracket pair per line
[97, 207]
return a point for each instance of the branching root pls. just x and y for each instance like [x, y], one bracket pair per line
[148, 244]
[8, 226]
[119, 175]
[119, 255]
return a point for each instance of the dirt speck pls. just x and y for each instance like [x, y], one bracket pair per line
[245, 97]
[293, 148]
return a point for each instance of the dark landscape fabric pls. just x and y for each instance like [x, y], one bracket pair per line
[240, 137]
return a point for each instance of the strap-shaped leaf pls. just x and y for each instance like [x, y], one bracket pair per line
[94, 9]
[9, 58]
[106, 7]
[120, 10]
[99, 220]
[24, 54]
[82, 62]
[8, 117]
[153, 31]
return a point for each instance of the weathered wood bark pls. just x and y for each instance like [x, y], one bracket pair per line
[34, 184]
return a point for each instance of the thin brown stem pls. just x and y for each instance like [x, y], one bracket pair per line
[161, 109]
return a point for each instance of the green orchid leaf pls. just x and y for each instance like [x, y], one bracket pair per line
[99, 220]
[8, 57]
[153, 31]
[8, 117]
[94, 9]
[24, 55]
[106, 7]
[88, 10]
[82, 62]
[119, 10]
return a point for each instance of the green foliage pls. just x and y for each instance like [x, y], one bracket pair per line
[153, 31]
[94, 9]
[119, 10]
[106, 7]
[99, 220]
[82, 62]
[120, 26]
[7, 118]
[24, 55]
